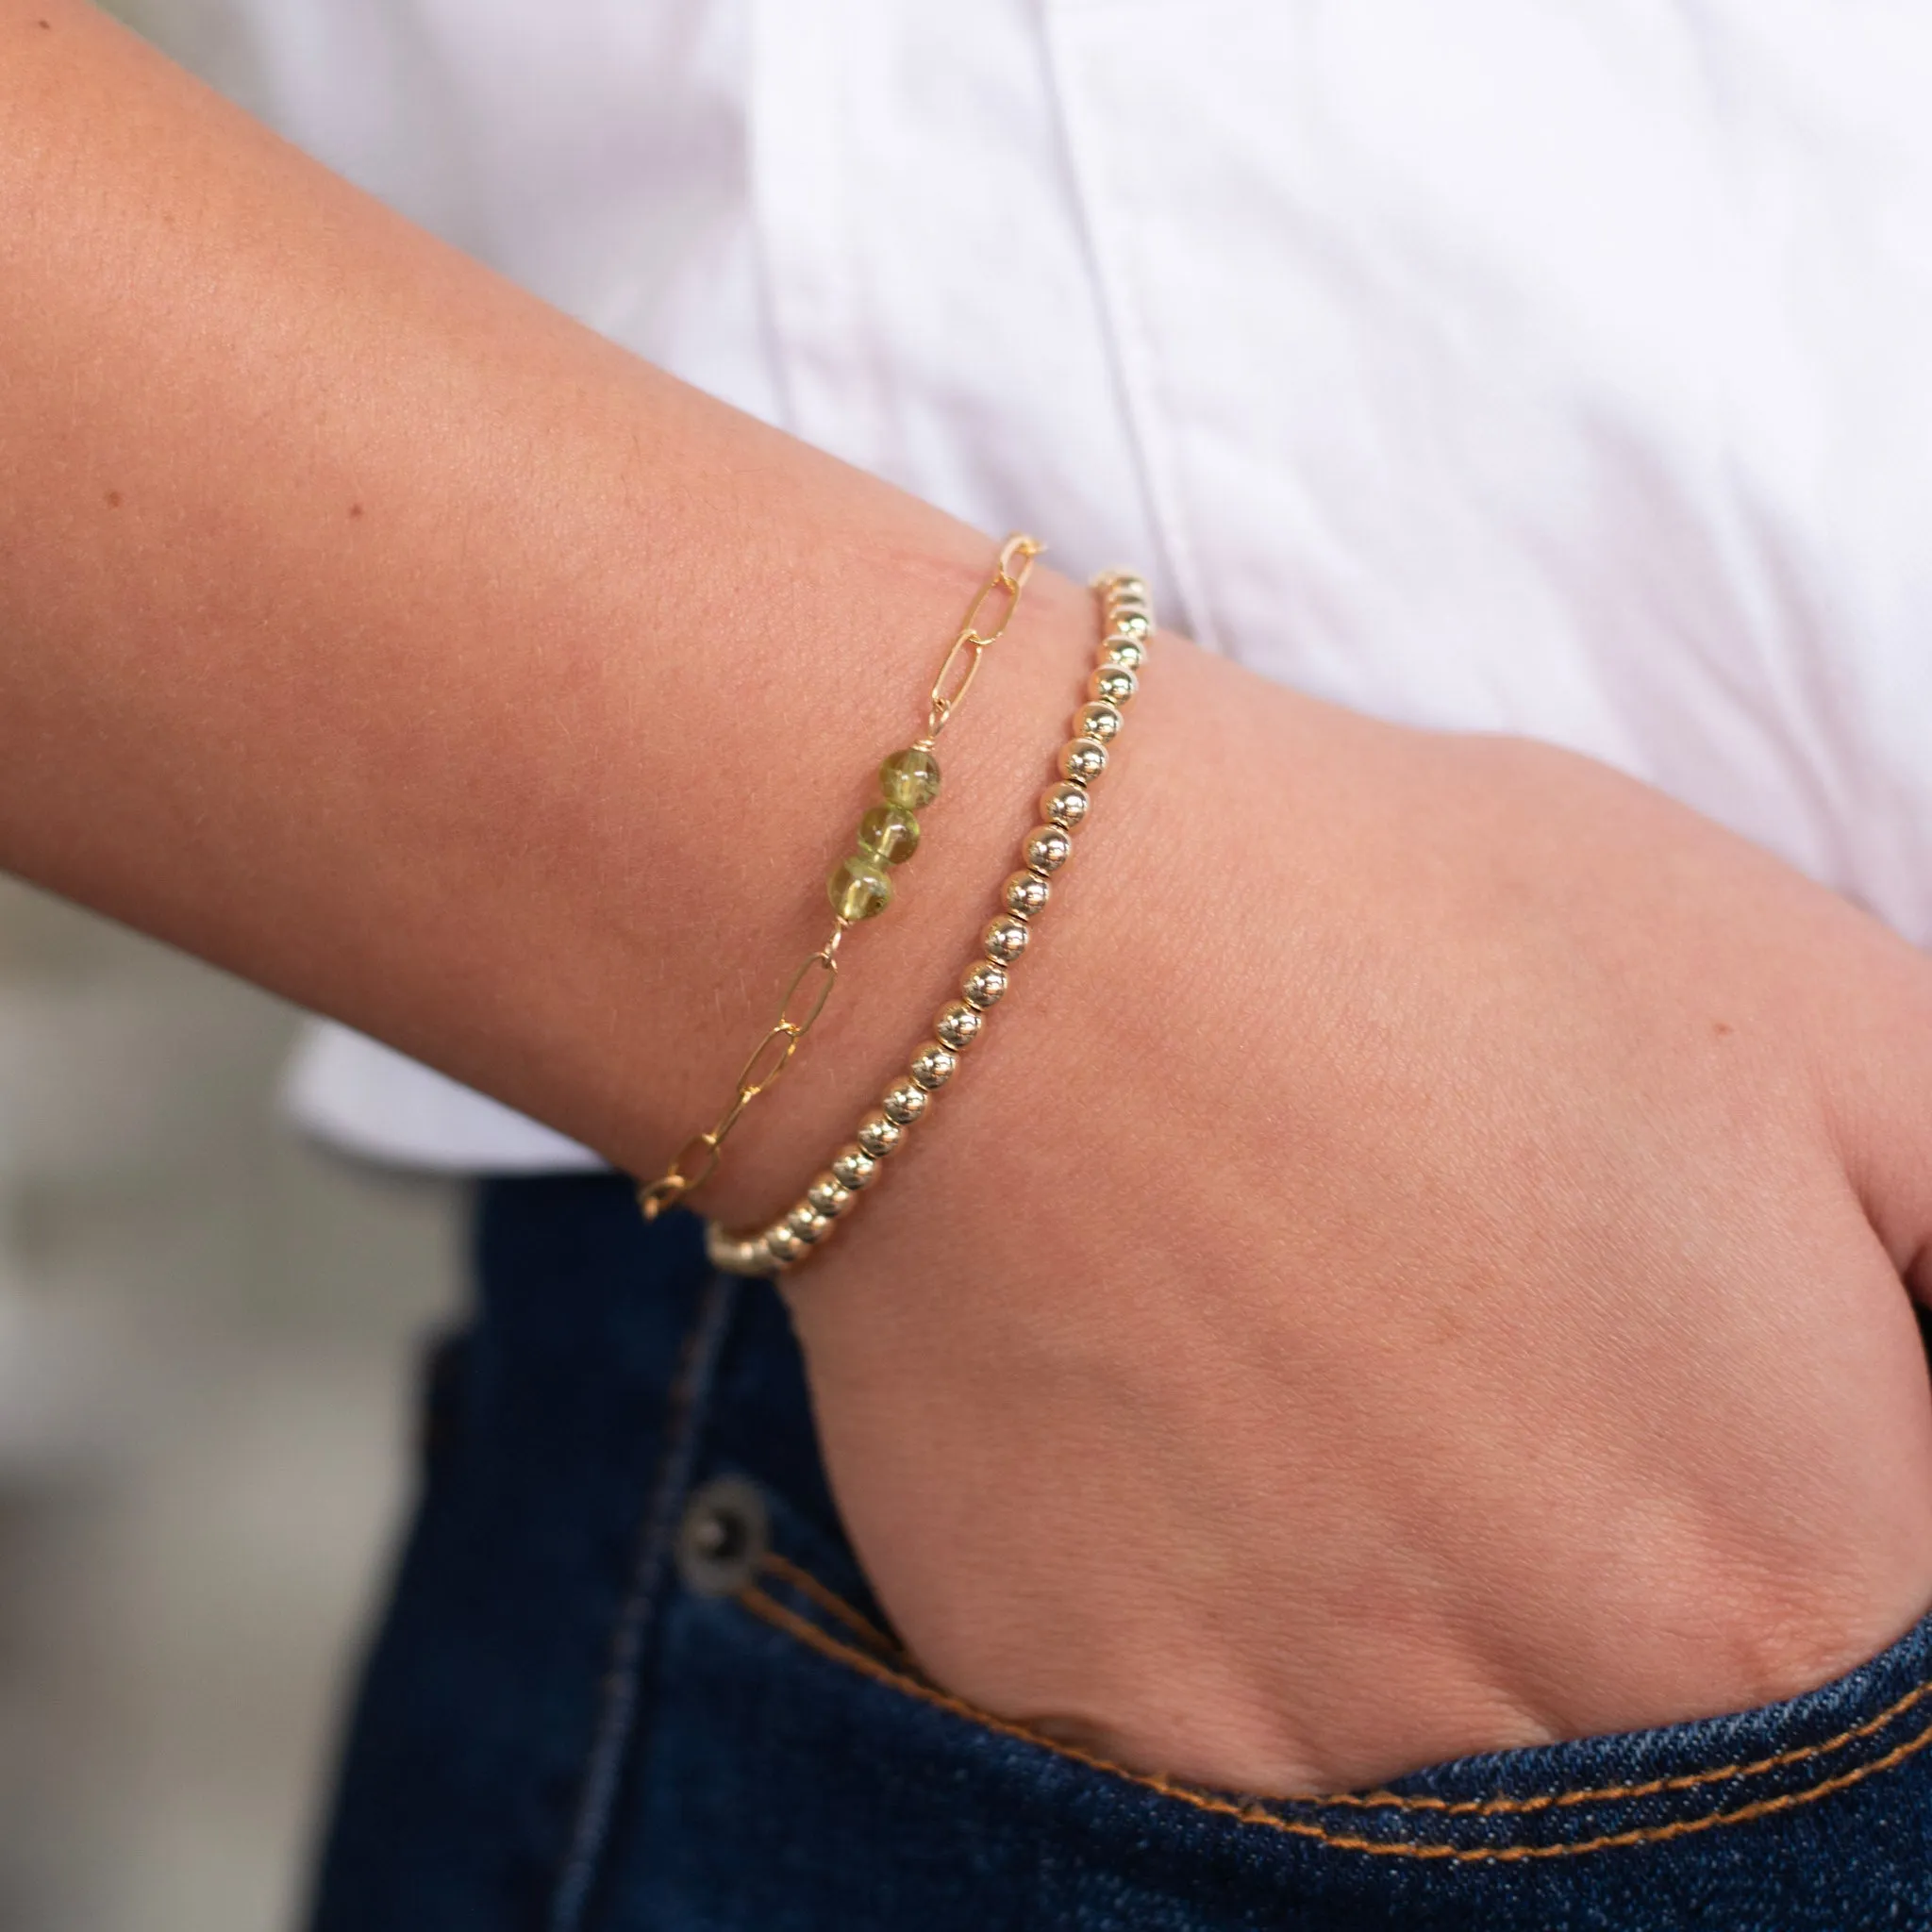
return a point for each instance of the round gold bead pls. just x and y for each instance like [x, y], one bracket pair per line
[933, 1065]
[879, 1134]
[1047, 848]
[1006, 939]
[829, 1195]
[784, 1244]
[957, 1025]
[1065, 804]
[1025, 893]
[854, 1168]
[904, 1103]
[1135, 621]
[1113, 683]
[1099, 720]
[808, 1224]
[735, 1255]
[983, 984]
[1130, 652]
[890, 834]
[860, 889]
[911, 778]
[1083, 759]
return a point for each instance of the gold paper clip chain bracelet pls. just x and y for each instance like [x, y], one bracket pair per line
[862, 887]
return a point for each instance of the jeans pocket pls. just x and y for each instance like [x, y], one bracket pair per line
[1814, 1812]
[1675, 1782]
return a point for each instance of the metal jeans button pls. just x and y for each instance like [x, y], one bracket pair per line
[723, 1537]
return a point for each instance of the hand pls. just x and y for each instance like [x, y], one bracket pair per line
[1415, 1268]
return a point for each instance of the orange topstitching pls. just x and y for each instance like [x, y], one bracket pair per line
[829, 1601]
[776, 1613]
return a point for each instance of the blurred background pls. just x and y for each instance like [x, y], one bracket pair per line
[208, 1331]
[208, 1334]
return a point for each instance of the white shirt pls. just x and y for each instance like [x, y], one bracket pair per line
[1560, 370]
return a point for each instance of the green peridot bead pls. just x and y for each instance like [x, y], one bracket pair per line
[860, 889]
[911, 778]
[888, 833]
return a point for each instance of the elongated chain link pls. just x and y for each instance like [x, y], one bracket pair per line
[810, 986]
[696, 1161]
[962, 661]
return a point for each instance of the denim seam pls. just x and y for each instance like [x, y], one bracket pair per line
[828, 1600]
[621, 1689]
[1603, 1794]
[774, 1613]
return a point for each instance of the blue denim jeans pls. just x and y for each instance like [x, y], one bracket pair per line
[632, 1677]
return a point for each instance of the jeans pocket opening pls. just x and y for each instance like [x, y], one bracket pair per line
[1882, 1713]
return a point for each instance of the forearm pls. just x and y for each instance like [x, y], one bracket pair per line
[380, 633]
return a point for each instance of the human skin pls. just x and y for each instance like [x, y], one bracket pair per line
[1419, 1261]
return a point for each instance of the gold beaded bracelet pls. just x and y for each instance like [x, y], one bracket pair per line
[1127, 625]
[860, 887]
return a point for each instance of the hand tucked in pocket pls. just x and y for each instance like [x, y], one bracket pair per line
[1417, 1270]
